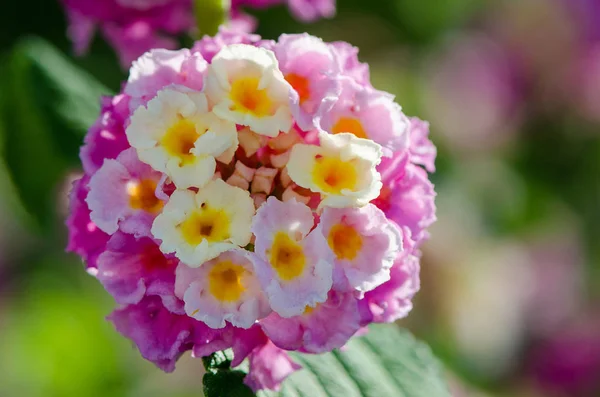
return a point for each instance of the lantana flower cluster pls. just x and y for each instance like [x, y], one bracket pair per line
[133, 27]
[254, 195]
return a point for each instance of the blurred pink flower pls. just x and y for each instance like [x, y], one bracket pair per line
[472, 94]
[133, 27]
[568, 363]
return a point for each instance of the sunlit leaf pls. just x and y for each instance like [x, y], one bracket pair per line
[387, 361]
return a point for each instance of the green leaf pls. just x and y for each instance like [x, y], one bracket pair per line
[388, 361]
[47, 105]
[226, 383]
[210, 14]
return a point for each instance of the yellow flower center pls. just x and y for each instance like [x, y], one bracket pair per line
[225, 281]
[349, 124]
[300, 84]
[248, 98]
[309, 309]
[287, 257]
[142, 196]
[345, 241]
[180, 139]
[206, 224]
[333, 175]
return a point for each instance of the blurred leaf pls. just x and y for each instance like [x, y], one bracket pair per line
[47, 106]
[55, 341]
[388, 361]
[426, 20]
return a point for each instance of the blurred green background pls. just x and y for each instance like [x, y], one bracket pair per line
[511, 275]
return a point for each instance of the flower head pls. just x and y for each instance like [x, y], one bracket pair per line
[254, 195]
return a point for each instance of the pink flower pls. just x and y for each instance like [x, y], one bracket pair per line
[366, 113]
[323, 328]
[241, 341]
[365, 244]
[123, 195]
[222, 289]
[161, 336]
[269, 366]
[393, 299]
[209, 46]
[106, 137]
[407, 196]
[131, 268]
[160, 68]
[85, 238]
[307, 64]
[310, 10]
[422, 151]
[293, 264]
[304, 10]
[347, 57]
[133, 27]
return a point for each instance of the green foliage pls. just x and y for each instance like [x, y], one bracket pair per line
[46, 106]
[54, 339]
[427, 20]
[226, 383]
[220, 380]
[388, 361]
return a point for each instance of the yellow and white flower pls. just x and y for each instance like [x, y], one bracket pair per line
[244, 85]
[198, 227]
[176, 134]
[342, 169]
[224, 289]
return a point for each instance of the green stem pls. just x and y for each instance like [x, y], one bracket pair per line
[210, 14]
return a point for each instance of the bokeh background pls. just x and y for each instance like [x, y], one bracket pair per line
[511, 276]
